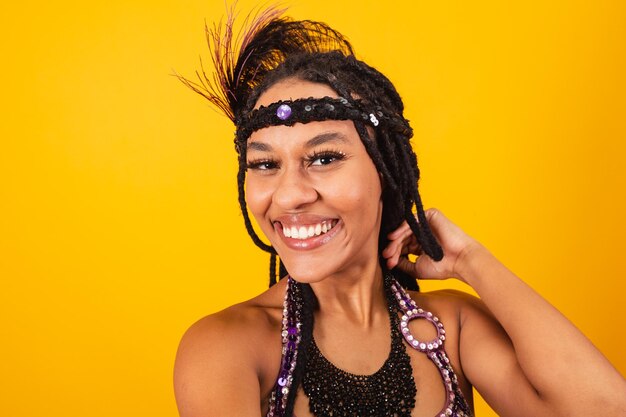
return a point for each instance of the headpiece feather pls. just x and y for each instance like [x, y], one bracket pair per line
[241, 62]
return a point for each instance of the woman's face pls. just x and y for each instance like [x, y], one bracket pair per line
[314, 190]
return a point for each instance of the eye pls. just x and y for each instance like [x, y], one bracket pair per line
[261, 165]
[325, 158]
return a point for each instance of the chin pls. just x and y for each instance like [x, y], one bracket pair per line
[306, 275]
[308, 272]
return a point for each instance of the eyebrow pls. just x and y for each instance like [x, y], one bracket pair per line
[314, 141]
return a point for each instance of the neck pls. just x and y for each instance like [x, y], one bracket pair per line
[357, 297]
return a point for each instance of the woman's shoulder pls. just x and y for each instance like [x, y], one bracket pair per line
[447, 302]
[239, 340]
[451, 307]
[455, 309]
[234, 326]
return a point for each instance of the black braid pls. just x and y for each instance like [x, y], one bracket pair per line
[308, 319]
[421, 229]
[391, 153]
[282, 271]
[277, 48]
[374, 153]
[241, 179]
[272, 269]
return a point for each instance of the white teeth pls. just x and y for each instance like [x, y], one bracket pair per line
[304, 232]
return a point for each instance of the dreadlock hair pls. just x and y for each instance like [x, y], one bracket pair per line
[275, 48]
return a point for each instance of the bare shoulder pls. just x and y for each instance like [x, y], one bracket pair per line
[454, 304]
[456, 309]
[222, 359]
[466, 316]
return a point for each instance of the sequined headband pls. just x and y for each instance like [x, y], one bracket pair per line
[290, 112]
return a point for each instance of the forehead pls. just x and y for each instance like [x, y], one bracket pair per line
[292, 89]
[303, 136]
[285, 137]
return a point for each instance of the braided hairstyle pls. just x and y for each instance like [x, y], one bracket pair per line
[390, 150]
[274, 48]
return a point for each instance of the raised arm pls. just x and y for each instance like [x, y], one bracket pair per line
[520, 353]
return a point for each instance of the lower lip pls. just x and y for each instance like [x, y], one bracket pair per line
[311, 242]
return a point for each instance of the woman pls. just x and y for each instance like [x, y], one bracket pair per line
[327, 171]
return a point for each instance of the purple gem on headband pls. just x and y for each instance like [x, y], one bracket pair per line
[283, 112]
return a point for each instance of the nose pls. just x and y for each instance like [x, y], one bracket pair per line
[294, 190]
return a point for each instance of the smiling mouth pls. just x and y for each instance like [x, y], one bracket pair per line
[308, 231]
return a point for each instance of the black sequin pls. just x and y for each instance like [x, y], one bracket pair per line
[390, 391]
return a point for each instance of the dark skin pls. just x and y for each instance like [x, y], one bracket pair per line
[502, 344]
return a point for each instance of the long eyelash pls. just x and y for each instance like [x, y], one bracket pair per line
[328, 153]
[256, 163]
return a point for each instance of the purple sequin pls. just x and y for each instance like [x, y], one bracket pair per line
[283, 112]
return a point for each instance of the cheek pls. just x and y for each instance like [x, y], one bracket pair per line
[360, 195]
[258, 196]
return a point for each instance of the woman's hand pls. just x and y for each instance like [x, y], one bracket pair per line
[506, 336]
[456, 245]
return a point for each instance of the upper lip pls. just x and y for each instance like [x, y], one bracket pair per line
[302, 219]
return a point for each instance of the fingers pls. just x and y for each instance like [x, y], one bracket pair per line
[393, 252]
[406, 266]
[403, 242]
[399, 231]
[399, 249]
[430, 214]
[398, 240]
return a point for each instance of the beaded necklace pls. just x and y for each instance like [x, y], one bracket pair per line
[455, 405]
[291, 336]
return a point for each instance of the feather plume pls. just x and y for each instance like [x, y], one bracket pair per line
[241, 62]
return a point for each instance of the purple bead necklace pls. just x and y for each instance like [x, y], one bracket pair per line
[291, 335]
[455, 405]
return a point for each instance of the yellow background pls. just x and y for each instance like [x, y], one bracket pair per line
[118, 218]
